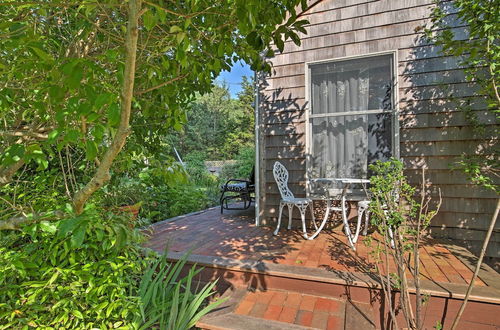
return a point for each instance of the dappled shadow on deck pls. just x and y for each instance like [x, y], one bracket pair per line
[234, 237]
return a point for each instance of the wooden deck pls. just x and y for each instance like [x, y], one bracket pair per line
[239, 254]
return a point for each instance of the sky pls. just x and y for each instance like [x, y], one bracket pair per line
[233, 77]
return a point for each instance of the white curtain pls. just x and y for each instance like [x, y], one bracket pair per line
[344, 145]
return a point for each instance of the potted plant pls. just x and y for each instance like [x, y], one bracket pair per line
[132, 209]
[125, 197]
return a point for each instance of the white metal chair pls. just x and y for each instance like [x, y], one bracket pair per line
[287, 198]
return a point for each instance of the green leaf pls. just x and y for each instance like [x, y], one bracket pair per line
[113, 114]
[78, 314]
[73, 81]
[180, 37]
[102, 99]
[175, 29]
[72, 136]
[149, 20]
[78, 236]
[56, 93]
[48, 227]
[84, 109]
[93, 116]
[161, 16]
[42, 162]
[42, 54]
[295, 38]
[91, 149]
[67, 225]
[13, 154]
[53, 278]
[98, 132]
[280, 44]
[67, 68]
[53, 135]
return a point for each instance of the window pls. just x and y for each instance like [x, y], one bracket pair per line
[351, 116]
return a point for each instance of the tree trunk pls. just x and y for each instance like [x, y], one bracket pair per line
[478, 266]
[102, 174]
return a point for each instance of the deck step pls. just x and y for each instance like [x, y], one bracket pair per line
[359, 316]
[277, 309]
[232, 321]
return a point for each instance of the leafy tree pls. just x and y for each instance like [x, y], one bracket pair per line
[479, 55]
[217, 125]
[208, 118]
[241, 129]
[76, 75]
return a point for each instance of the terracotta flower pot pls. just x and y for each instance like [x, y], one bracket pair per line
[133, 210]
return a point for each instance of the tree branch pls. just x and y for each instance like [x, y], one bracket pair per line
[168, 82]
[7, 172]
[35, 135]
[191, 15]
[15, 223]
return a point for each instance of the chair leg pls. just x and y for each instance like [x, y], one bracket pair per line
[361, 211]
[311, 207]
[222, 203]
[279, 218]
[302, 209]
[290, 213]
[367, 222]
[247, 201]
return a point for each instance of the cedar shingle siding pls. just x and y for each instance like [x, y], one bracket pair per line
[433, 132]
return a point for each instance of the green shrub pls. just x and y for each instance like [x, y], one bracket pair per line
[172, 191]
[124, 191]
[185, 199]
[245, 162]
[169, 190]
[195, 166]
[166, 202]
[78, 272]
[402, 222]
[89, 271]
[32, 190]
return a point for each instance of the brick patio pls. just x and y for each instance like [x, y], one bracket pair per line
[234, 235]
[324, 284]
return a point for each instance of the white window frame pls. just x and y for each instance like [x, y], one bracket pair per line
[395, 105]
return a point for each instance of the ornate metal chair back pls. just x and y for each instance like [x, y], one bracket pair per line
[281, 177]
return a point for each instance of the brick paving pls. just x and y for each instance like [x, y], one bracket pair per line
[291, 307]
[234, 235]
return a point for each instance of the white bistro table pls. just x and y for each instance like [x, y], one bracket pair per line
[329, 197]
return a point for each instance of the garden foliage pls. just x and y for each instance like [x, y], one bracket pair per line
[79, 272]
[88, 271]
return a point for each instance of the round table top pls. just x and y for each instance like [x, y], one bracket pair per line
[342, 180]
